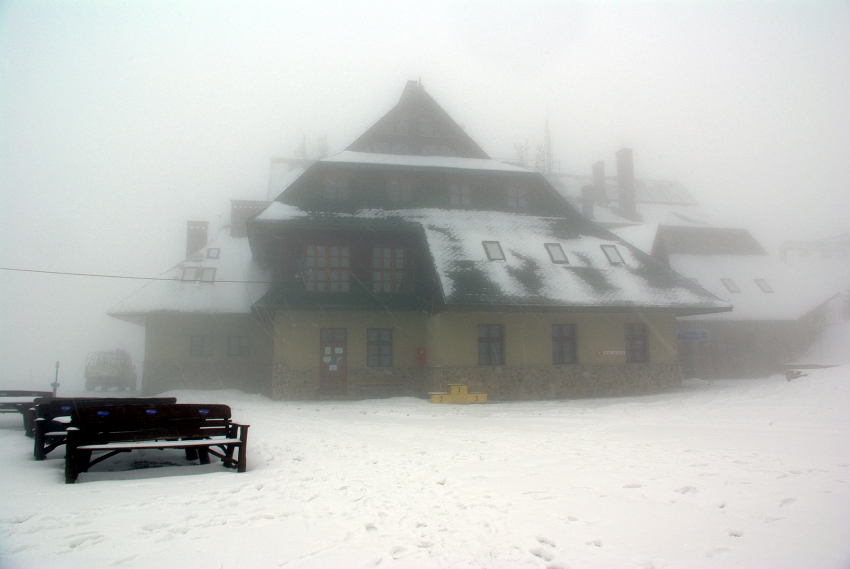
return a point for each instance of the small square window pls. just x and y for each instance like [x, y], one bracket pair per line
[201, 346]
[762, 284]
[613, 254]
[207, 274]
[190, 274]
[493, 250]
[213, 253]
[730, 285]
[556, 253]
[239, 346]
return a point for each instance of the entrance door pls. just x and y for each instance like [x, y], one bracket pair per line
[333, 376]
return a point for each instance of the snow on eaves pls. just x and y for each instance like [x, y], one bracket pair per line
[238, 283]
[352, 157]
[528, 276]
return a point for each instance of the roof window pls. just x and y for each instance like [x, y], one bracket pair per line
[207, 274]
[762, 284]
[189, 274]
[730, 285]
[493, 250]
[556, 253]
[213, 253]
[613, 254]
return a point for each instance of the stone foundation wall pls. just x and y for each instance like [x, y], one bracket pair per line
[500, 383]
[514, 383]
[363, 383]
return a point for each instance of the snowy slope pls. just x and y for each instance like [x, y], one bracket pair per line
[742, 473]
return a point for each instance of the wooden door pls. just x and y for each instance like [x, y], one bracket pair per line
[333, 357]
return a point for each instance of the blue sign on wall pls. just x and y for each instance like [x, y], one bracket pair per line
[692, 335]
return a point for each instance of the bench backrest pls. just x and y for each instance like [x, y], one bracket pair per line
[109, 423]
[64, 406]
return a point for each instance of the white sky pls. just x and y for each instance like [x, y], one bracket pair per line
[121, 120]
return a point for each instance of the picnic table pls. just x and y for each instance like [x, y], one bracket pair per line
[200, 430]
[19, 401]
[50, 417]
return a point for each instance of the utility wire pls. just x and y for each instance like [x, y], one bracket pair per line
[120, 276]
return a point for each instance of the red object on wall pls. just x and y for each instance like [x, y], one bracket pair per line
[420, 357]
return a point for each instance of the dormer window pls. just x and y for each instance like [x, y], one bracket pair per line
[517, 197]
[613, 254]
[400, 191]
[213, 253]
[762, 284]
[190, 274]
[460, 194]
[556, 253]
[335, 188]
[730, 285]
[493, 250]
[207, 274]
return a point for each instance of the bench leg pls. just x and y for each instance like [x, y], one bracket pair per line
[71, 471]
[38, 443]
[242, 464]
[203, 455]
[191, 453]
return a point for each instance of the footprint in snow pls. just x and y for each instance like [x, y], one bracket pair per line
[633, 485]
[735, 533]
[787, 502]
[687, 490]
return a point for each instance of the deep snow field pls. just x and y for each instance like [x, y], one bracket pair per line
[741, 473]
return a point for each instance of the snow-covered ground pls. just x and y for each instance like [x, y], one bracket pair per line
[743, 473]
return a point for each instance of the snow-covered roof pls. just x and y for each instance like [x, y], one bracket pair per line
[794, 293]
[371, 158]
[237, 284]
[528, 276]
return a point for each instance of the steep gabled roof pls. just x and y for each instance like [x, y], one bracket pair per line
[417, 125]
[527, 277]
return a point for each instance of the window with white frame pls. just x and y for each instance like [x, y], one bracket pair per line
[556, 253]
[327, 268]
[762, 284]
[730, 285]
[460, 193]
[190, 274]
[637, 343]
[564, 344]
[207, 274]
[613, 254]
[493, 250]
[201, 346]
[213, 253]
[238, 346]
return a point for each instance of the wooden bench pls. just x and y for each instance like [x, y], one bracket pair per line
[200, 430]
[18, 401]
[50, 418]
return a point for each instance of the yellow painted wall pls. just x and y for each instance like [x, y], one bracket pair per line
[453, 337]
[297, 341]
[168, 337]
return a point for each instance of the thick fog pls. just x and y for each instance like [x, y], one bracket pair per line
[122, 120]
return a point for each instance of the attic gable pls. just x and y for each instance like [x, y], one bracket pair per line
[417, 126]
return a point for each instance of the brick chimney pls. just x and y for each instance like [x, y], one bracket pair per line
[599, 183]
[626, 183]
[196, 236]
[240, 212]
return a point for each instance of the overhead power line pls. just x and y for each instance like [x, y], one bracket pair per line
[95, 275]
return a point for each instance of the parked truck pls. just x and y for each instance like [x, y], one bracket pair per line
[110, 369]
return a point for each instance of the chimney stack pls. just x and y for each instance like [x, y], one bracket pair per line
[240, 212]
[626, 183]
[599, 183]
[587, 201]
[196, 236]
